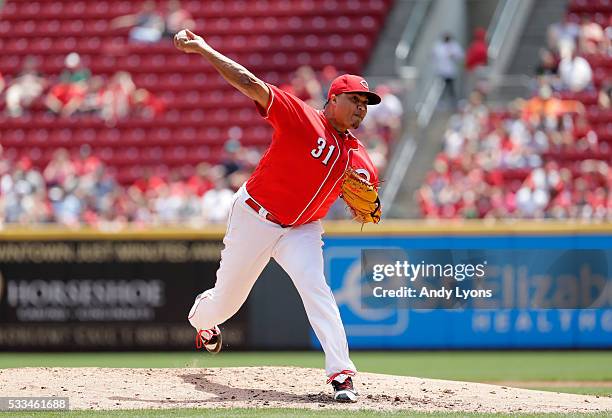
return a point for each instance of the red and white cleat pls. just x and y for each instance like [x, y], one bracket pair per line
[343, 386]
[210, 339]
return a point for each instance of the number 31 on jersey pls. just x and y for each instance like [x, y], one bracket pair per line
[318, 151]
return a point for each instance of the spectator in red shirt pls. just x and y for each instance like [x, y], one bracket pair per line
[475, 60]
[65, 98]
[476, 55]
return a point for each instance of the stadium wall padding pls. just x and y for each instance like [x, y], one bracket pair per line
[131, 291]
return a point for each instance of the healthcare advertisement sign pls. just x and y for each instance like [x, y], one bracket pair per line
[473, 292]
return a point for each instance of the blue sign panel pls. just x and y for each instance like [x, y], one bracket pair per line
[508, 326]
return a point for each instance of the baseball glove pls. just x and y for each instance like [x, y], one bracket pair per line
[361, 197]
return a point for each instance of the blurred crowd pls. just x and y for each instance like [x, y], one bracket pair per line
[77, 189]
[535, 158]
[562, 63]
[152, 23]
[76, 92]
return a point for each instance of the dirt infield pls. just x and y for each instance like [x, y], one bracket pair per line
[276, 387]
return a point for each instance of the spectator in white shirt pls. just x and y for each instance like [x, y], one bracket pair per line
[576, 73]
[447, 54]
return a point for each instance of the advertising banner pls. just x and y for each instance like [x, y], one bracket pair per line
[469, 292]
[106, 294]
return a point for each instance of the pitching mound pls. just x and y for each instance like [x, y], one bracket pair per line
[276, 387]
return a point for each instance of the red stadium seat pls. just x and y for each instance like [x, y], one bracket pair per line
[271, 37]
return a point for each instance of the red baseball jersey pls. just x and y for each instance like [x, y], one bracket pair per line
[299, 176]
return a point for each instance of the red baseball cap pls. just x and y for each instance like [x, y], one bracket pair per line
[349, 83]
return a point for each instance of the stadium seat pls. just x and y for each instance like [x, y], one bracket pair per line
[271, 37]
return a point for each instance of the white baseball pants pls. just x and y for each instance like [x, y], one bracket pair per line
[250, 241]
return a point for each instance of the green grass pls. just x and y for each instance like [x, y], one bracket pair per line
[581, 390]
[471, 366]
[244, 412]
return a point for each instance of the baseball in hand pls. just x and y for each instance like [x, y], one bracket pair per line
[187, 41]
[181, 35]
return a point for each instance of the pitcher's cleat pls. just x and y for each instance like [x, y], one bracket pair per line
[210, 339]
[343, 386]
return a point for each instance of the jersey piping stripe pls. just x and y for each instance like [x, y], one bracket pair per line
[324, 180]
[333, 187]
[271, 101]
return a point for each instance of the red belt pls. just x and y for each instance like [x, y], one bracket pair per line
[256, 207]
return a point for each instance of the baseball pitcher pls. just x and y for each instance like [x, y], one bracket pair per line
[313, 158]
